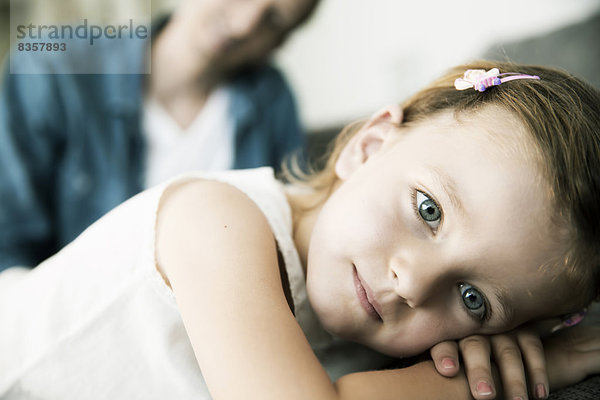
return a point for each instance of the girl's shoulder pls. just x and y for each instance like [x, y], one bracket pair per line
[258, 185]
[201, 204]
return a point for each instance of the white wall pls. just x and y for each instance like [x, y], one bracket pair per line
[356, 55]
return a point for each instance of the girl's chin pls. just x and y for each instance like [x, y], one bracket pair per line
[333, 323]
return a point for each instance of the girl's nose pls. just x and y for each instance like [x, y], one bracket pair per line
[415, 281]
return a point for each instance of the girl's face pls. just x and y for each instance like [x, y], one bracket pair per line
[436, 232]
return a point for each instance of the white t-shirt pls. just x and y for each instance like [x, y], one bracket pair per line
[96, 321]
[206, 145]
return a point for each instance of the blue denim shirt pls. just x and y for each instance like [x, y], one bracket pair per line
[72, 147]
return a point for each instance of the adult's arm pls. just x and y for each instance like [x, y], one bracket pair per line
[28, 147]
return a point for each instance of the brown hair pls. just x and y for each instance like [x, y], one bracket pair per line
[562, 115]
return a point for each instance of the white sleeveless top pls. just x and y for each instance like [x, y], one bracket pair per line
[96, 321]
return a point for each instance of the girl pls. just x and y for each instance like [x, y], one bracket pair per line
[471, 213]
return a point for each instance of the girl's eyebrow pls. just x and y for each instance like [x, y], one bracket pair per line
[448, 185]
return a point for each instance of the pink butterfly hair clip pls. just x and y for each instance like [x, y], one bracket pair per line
[480, 80]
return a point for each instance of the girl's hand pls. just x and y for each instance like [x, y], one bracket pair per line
[572, 355]
[515, 353]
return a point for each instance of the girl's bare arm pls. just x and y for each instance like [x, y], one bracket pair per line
[420, 381]
[219, 255]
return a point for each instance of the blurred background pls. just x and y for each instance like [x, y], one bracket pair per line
[355, 55]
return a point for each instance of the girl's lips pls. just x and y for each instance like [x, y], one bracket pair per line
[363, 294]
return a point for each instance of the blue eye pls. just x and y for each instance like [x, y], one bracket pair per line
[473, 300]
[428, 210]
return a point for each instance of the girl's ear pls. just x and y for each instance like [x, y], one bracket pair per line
[368, 140]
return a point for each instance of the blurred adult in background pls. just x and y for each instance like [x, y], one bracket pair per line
[73, 146]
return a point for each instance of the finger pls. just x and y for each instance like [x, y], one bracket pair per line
[510, 363]
[475, 351]
[445, 358]
[535, 363]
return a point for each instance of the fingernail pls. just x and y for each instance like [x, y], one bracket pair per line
[484, 388]
[448, 363]
[540, 391]
[517, 398]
